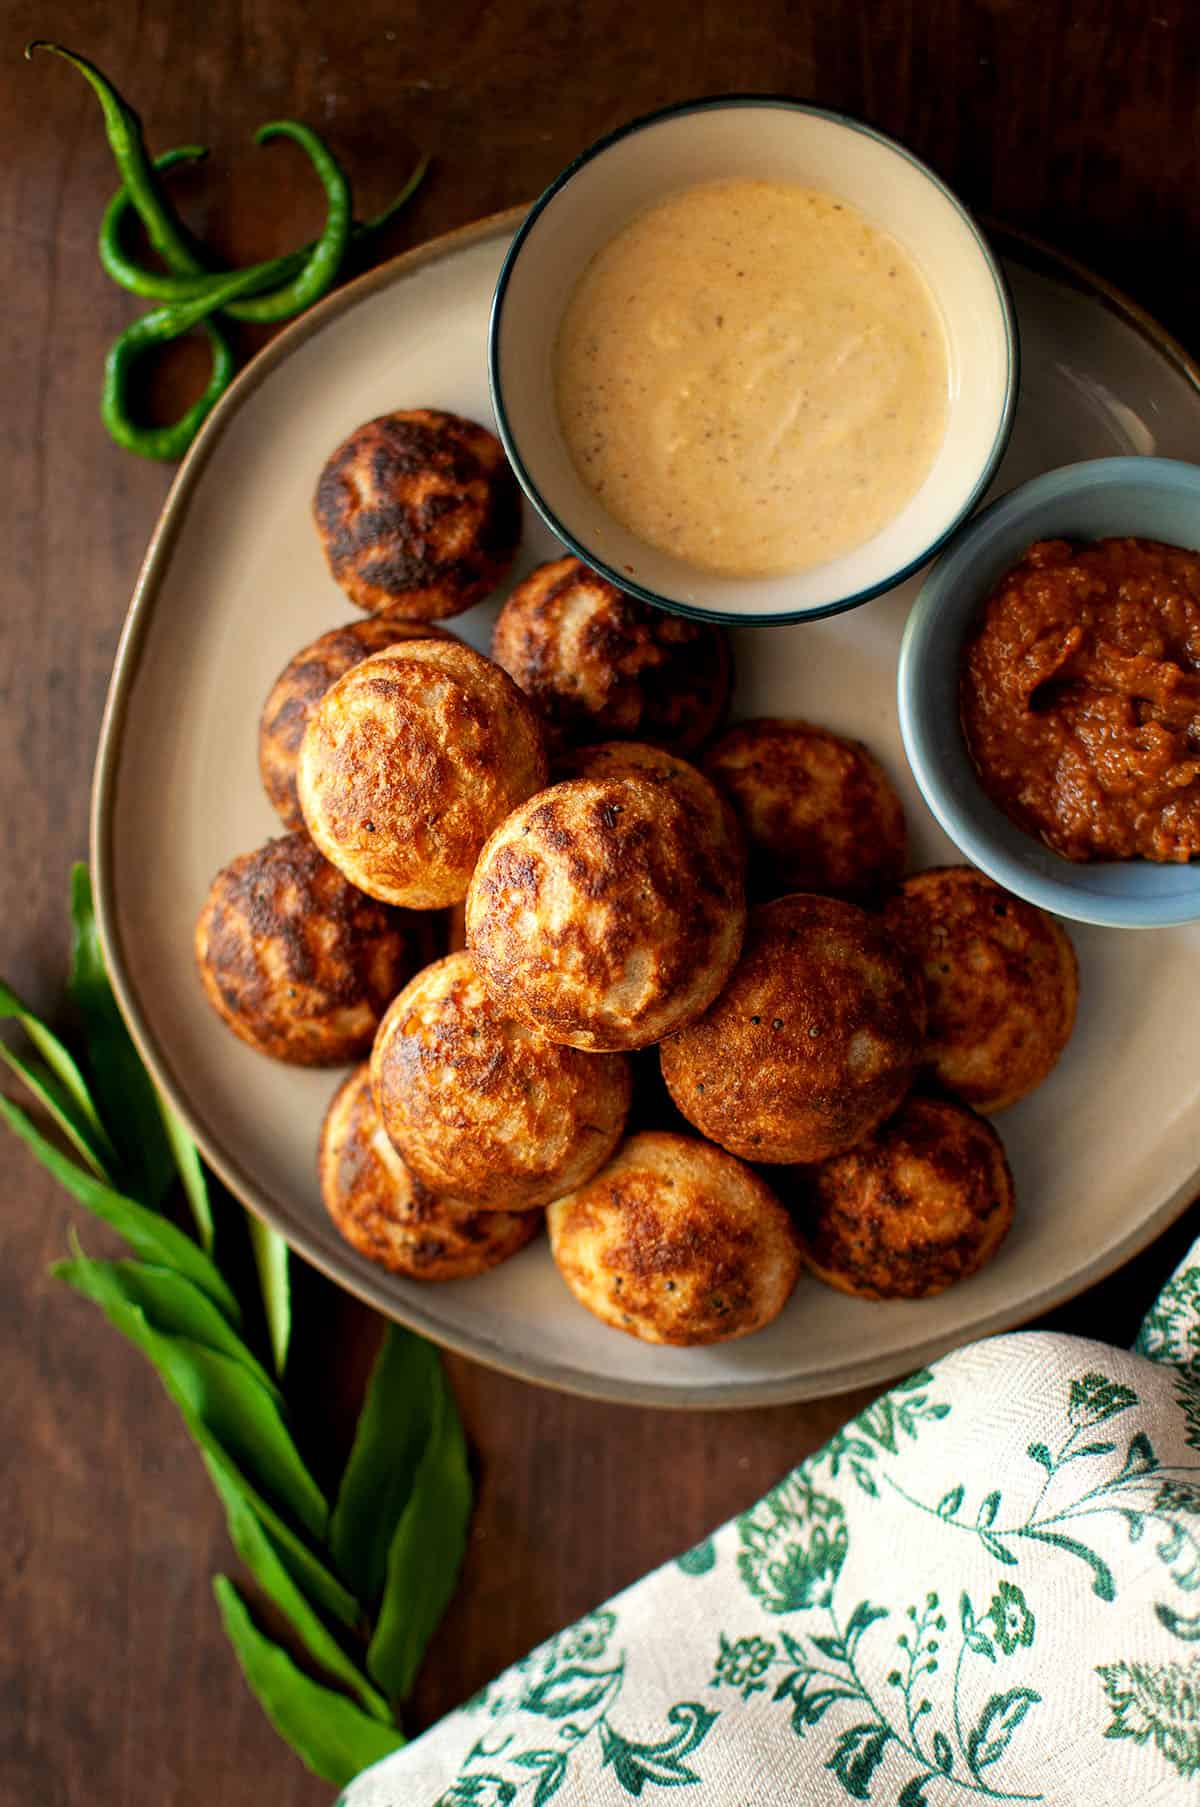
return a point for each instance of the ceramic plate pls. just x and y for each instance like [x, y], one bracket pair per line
[1104, 1154]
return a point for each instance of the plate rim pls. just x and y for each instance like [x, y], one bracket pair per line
[372, 1288]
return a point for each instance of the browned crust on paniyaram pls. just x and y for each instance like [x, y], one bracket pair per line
[296, 961]
[814, 1040]
[299, 688]
[419, 514]
[818, 811]
[921, 1203]
[483, 1109]
[1001, 979]
[676, 1242]
[609, 910]
[408, 764]
[598, 663]
[392, 1219]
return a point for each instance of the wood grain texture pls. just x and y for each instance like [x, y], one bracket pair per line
[1075, 119]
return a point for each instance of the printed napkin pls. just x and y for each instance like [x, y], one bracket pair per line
[985, 1588]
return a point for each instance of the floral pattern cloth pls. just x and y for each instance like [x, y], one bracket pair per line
[985, 1588]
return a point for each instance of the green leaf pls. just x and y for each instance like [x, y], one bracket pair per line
[699, 1559]
[149, 1234]
[633, 1765]
[551, 1767]
[426, 1552]
[393, 1430]
[571, 1690]
[173, 1305]
[1103, 1585]
[913, 1793]
[62, 1064]
[253, 1544]
[187, 1162]
[271, 1260]
[857, 1755]
[122, 1089]
[989, 1505]
[863, 1616]
[995, 1548]
[236, 1408]
[950, 1502]
[54, 1098]
[996, 1725]
[305, 1567]
[943, 1754]
[1040, 1454]
[329, 1733]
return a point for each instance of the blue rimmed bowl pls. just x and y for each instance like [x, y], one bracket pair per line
[752, 136]
[1151, 498]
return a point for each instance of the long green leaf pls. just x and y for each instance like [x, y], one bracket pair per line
[253, 1544]
[187, 1162]
[219, 1393]
[393, 1429]
[301, 1562]
[62, 1063]
[274, 1279]
[329, 1733]
[55, 1099]
[172, 1304]
[122, 1089]
[425, 1555]
[150, 1235]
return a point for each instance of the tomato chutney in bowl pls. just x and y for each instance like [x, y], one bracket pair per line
[1049, 691]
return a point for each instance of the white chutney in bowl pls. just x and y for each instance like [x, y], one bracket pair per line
[751, 360]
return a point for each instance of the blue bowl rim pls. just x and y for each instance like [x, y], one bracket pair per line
[622, 581]
[1062, 897]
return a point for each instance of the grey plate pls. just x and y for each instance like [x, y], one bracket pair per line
[1105, 1154]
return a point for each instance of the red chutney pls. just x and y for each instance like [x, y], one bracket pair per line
[1080, 697]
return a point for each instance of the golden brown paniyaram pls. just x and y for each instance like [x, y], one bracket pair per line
[814, 1040]
[299, 688]
[296, 961]
[599, 663]
[919, 1204]
[408, 764]
[1001, 980]
[609, 910]
[676, 1242]
[818, 811]
[419, 514]
[388, 1216]
[485, 1111]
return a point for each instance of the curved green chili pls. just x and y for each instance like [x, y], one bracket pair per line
[321, 265]
[157, 286]
[157, 328]
[160, 285]
[115, 260]
[124, 130]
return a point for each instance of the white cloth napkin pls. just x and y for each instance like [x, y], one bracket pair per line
[985, 1588]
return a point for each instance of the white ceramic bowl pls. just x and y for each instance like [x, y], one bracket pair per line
[752, 136]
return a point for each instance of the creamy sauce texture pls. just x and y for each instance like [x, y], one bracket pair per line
[753, 377]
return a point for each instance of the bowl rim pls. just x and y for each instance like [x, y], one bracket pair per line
[1061, 896]
[1004, 300]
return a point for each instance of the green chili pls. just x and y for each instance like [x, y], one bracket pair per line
[159, 286]
[322, 264]
[193, 293]
[115, 260]
[124, 130]
[156, 328]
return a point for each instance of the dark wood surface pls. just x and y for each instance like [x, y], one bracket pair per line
[1075, 119]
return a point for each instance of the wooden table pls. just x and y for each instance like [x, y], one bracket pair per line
[1075, 119]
